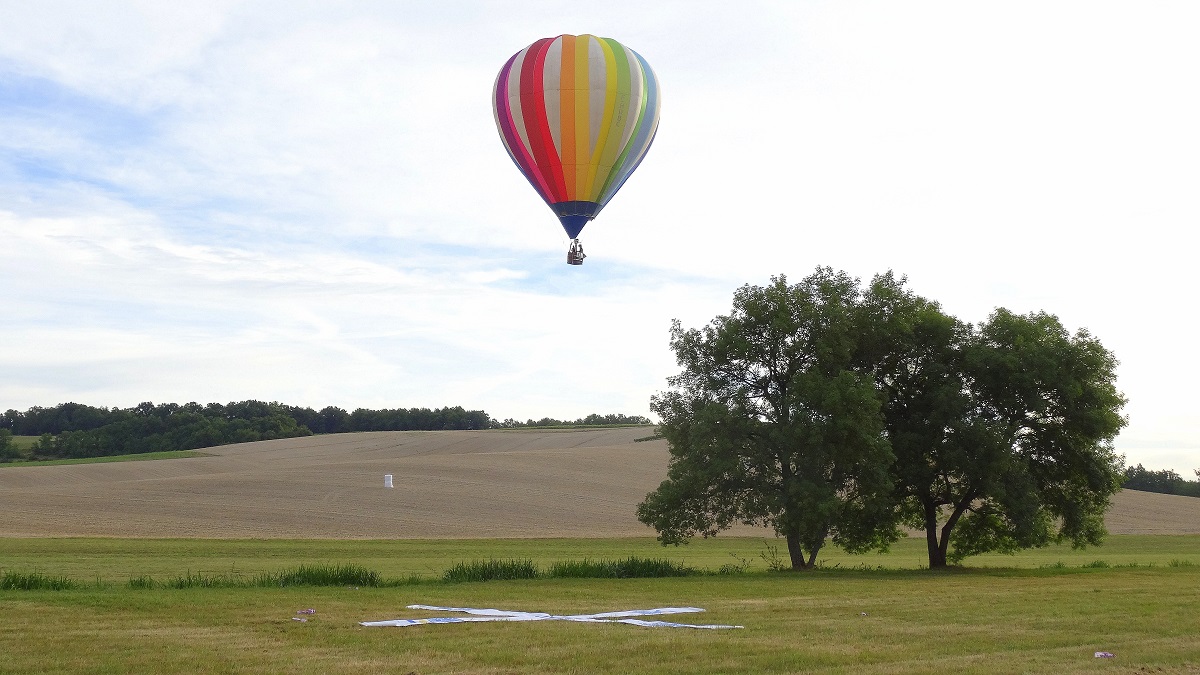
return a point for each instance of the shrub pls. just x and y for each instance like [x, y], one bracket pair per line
[489, 570]
[630, 568]
[200, 580]
[34, 581]
[8, 449]
[142, 582]
[321, 575]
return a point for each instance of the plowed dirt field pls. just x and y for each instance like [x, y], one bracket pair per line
[448, 484]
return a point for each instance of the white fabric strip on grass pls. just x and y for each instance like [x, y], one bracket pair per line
[478, 615]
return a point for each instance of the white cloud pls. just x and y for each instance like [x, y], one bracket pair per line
[259, 200]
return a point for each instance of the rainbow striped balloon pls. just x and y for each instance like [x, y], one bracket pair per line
[577, 115]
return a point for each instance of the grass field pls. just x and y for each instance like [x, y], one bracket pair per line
[116, 560]
[120, 532]
[1033, 616]
[24, 442]
[448, 485]
[141, 457]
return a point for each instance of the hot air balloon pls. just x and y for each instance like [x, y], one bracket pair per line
[577, 115]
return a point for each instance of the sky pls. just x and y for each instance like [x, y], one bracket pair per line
[309, 202]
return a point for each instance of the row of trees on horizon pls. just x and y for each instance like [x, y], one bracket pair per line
[1165, 481]
[74, 430]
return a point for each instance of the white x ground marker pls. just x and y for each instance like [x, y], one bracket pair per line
[507, 615]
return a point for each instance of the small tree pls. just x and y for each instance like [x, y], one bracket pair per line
[8, 450]
[768, 424]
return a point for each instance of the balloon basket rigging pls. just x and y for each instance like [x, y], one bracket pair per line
[575, 255]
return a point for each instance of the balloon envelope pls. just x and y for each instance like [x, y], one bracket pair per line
[577, 115]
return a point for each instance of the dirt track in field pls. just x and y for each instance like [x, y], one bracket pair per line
[448, 484]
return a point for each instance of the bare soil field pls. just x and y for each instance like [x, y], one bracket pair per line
[448, 484]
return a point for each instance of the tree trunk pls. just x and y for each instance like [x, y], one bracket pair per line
[796, 553]
[946, 529]
[937, 549]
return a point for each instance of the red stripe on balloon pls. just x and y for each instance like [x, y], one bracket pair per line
[537, 127]
[517, 150]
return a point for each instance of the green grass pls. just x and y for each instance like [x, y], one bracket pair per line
[117, 560]
[145, 456]
[24, 442]
[34, 581]
[347, 574]
[991, 620]
[187, 605]
[491, 570]
[632, 567]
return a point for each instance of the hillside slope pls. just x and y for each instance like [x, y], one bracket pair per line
[448, 484]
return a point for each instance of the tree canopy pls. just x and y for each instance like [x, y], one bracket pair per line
[1002, 432]
[822, 409]
[769, 424]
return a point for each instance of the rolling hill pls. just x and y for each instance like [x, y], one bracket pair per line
[448, 484]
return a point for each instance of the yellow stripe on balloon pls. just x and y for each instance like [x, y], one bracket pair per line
[583, 115]
[566, 102]
[619, 88]
[596, 181]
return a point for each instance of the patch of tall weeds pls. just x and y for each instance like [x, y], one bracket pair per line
[141, 582]
[201, 580]
[34, 581]
[320, 575]
[632, 567]
[491, 570]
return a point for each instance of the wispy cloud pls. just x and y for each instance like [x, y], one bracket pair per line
[258, 200]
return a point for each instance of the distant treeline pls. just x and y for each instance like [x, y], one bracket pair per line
[589, 421]
[1165, 481]
[73, 430]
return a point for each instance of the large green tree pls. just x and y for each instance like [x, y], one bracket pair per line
[769, 424]
[1002, 433]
